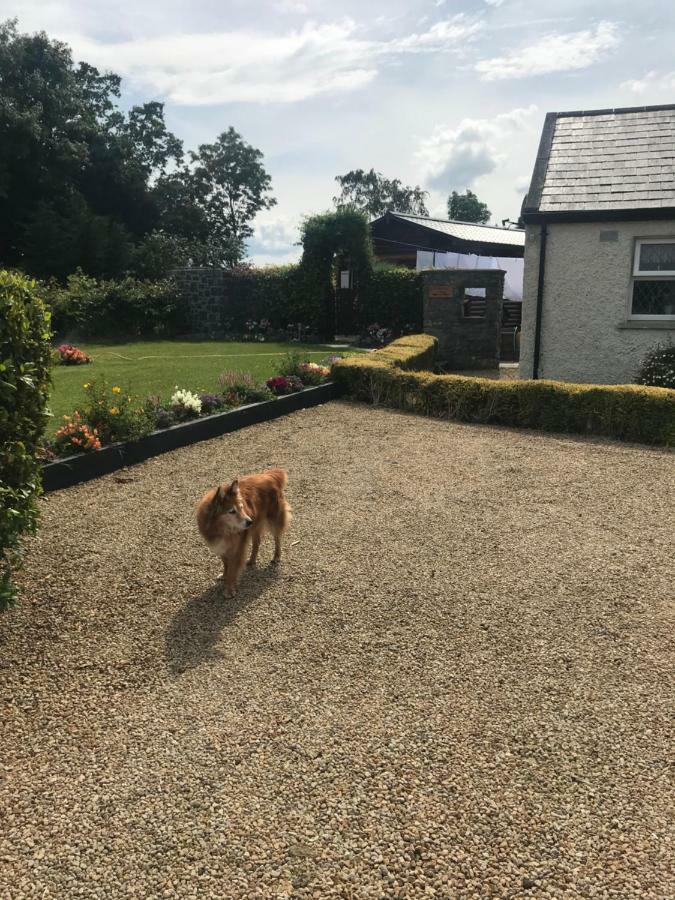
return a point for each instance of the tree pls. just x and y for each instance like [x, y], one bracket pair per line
[84, 184]
[229, 184]
[467, 208]
[373, 194]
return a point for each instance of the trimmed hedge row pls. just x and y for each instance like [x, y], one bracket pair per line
[392, 377]
[24, 388]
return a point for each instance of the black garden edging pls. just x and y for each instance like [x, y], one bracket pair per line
[65, 473]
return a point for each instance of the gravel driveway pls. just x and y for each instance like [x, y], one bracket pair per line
[459, 684]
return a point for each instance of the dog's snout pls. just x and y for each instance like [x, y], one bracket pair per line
[248, 523]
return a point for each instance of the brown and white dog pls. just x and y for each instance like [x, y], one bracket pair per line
[232, 516]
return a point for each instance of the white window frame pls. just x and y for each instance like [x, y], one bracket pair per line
[642, 275]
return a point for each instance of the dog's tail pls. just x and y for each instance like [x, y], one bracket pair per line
[279, 476]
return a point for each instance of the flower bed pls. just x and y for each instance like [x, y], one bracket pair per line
[111, 418]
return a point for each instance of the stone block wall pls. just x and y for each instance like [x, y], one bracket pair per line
[468, 330]
[205, 293]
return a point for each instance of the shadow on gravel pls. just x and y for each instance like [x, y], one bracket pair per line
[196, 628]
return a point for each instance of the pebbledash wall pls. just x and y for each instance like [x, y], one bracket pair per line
[586, 333]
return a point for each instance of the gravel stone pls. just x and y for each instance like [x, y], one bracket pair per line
[458, 684]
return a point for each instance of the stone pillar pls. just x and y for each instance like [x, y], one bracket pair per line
[463, 309]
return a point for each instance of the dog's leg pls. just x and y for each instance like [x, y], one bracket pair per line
[235, 566]
[255, 546]
[277, 545]
[223, 574]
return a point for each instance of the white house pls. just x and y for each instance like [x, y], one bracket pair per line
[599, 283]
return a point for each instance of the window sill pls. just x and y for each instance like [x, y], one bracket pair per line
[648, 324]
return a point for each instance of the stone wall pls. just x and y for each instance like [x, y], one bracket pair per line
[205, 293]
[468, 333]
[587, 334]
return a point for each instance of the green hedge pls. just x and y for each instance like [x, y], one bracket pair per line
[393, 298]
[24, 386]
[280, 294]
[127, 308]
[391, 377]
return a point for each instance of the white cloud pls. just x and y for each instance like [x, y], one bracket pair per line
[453, 158]
[291, 6]
[652, 83]
[494, 2]
[264, 67]
[275, 236]
[554, 53]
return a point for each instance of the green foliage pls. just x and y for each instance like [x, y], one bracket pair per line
[391, 376]
[373, 194]
[344, 234]
[468, 208]
[24, 386]
[658, 367]
[89, 308]
[82, 183]
[392, 297]
[114, 413]
[239, 388]
[276, 293]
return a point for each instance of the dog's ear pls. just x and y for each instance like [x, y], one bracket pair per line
[234, 487]
[219, 495]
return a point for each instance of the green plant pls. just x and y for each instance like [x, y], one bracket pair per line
[239, 388]
[393, 298]
[108, 309]
[24, 386]
[75, 436]
[658, 366]
[393, 376]
[337, 235]
[115, 414]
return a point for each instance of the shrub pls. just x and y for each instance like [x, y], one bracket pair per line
[75, 436]
[285, 384]
[239, 388]
[392, 376]
[72, 356]
[185, 404]
[211, 403]
[658, 367]
[312, 374]
[24, 385]
[115, 414]
[394, 298]
[115, 309]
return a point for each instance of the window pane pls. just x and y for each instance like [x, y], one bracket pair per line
[657, 257]
[654, 298]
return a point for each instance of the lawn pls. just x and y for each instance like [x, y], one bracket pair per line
[157, 367]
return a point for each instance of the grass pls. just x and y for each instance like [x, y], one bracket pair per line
[157, 367]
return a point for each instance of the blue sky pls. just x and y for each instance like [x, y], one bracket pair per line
[444, 94]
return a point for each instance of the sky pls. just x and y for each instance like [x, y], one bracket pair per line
[447, 95]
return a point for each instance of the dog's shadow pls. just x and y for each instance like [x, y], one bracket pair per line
[196, 628]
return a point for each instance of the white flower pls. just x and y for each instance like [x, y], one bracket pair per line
[187, 400]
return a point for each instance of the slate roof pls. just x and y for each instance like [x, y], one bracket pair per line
[605, 162]
[466, 231]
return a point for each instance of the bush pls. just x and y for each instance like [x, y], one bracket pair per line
[392, 376]
[75, 436]
[115, 414]
[185, 404]
[394, 299]
[239, 388]
[72, 356]
[24, 386]
[127, 308]
[658, 367]
[282, 385]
